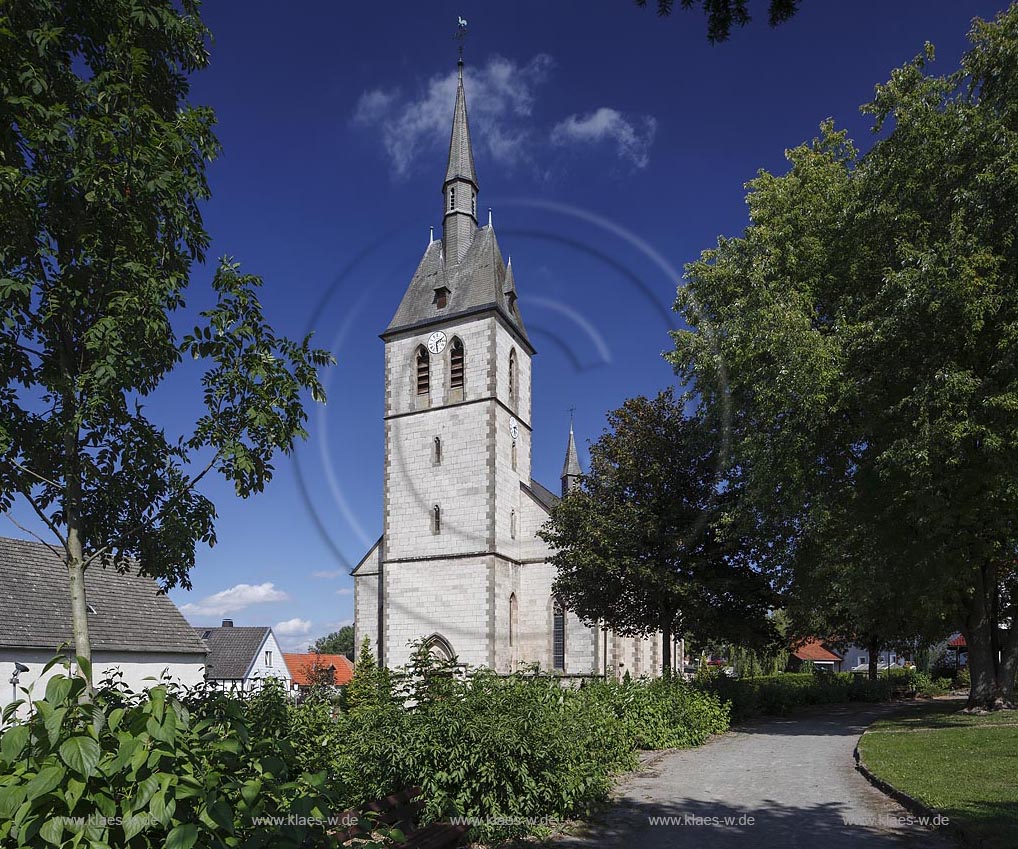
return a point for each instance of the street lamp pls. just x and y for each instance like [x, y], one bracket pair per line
[16, 677]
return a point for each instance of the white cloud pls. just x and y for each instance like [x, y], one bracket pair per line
[292, 627]
[500, 101]
[344, 591]
[329, 573]
[234, 599]
[632, 137]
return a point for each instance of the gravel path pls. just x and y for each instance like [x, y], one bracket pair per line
[795, 778]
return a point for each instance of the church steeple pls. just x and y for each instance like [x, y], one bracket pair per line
[571, 470]
[460, 187]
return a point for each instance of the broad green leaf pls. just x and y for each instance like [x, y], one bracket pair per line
[46, 780]
[81, 754]
[57, 689]
[52, 830]
[183, 836]
[13, 742]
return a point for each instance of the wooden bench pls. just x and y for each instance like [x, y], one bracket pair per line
[401, 810]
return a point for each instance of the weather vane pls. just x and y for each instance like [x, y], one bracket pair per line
[461, 34]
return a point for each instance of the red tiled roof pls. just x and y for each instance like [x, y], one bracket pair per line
[814, 650]
[957, 642]
[301, 666]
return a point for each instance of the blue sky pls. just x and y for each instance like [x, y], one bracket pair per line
[612, 147]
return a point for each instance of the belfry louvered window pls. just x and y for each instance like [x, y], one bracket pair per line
[452, 198]
[423, 371]
[456, 364]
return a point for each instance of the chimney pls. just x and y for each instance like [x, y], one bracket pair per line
[227, 623]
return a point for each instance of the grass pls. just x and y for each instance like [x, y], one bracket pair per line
[964, 766]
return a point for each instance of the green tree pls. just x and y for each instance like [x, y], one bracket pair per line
[636, 545]
[338, 642]
[370, 685]
[859, 340]
[102, 173]
[722, 15]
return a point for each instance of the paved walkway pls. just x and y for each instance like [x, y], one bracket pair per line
[795, 777]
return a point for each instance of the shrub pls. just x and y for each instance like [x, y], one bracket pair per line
[962, 679]
[166, 768]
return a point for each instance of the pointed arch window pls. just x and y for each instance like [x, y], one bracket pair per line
[558, 636]
[514, 455]
[423, 371]
[512, 524]
[513, 615]
[438, 451]
[456, 363]
[436, 519]
[513, 378]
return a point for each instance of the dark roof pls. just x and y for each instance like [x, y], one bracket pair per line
[461, 154]
[131, 614]
[814, 650]
[476, 283]
[541, 494]
[232, 650]
[571, 466]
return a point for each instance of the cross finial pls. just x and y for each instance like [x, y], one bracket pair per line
[571, 411]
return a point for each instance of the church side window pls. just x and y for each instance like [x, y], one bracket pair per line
[514, 455]
[438, 451]
[452, 197]
[512, 524]
[513, 613]
[558, 637]
[512, 376]
[423, 371]
[436, 519]
[456, 364]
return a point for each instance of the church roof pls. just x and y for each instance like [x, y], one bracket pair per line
[475, 284]
[461, 153]
[541, 494]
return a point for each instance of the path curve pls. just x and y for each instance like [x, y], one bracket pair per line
[795, 777]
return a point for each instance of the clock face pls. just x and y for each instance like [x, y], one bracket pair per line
[436, 342]
[514, 428]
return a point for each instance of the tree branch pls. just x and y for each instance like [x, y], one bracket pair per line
[30, 532]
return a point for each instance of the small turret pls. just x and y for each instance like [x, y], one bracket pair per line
[460, 187]
[571, 470]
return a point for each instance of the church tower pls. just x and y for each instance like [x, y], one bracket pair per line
[457, 436]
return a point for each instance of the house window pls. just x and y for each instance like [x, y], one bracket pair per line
[512, 376]
[558, 637]
[863, 660]
[436, 519]
[512, 524]
[514, 455]
[438, 450]
[423, 371]
[268, 658]
[456, 364]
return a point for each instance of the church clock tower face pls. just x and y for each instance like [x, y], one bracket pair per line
[436, 342]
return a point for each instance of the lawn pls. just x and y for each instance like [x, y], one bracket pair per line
[964, 766]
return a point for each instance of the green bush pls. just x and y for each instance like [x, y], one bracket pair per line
[167, 768]
[962, 679]
[779, 695]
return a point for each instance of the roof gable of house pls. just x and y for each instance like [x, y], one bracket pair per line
[232, 650]
[301, 667]
[131, 612]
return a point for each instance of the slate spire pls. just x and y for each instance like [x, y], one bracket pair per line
[459, 189]
[571, 470]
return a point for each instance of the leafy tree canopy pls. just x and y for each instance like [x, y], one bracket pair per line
[722, 15]
[859, 341]
[338, 642]
[102, 176]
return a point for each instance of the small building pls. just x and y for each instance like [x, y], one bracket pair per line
[135, 630]
[815, 652]
[856, 658]
[242, 657]
[312, 668]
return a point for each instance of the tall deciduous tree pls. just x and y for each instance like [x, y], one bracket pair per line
[636, 545]
[722, 15]
[338, 642]
[867, 322]
[102, 173]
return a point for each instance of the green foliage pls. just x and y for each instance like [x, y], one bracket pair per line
[338, 642]
[370, 684]
[517, 746]
[168, 768]
[857, 340]
[722, 15]
[780, 695]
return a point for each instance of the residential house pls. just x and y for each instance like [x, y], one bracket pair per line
[241, 658]
[816, 652]
[135, 630]
[312, 667]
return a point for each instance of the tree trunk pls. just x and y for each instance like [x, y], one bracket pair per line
[666, 649]
[1006, 671]
[984, 693]
[75, 554]
[873, 647]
